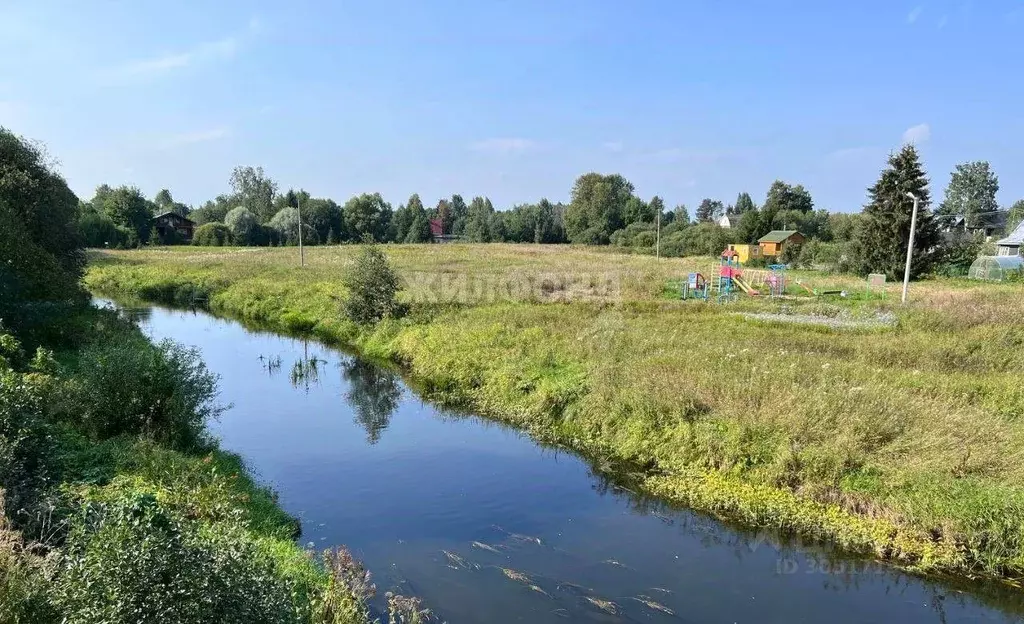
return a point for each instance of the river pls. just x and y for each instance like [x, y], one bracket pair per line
[485, 525]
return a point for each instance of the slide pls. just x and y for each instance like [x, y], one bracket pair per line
[745, 287]
[811, 292]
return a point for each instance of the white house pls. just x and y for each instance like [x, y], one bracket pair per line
[725, 221]
[1010, 246]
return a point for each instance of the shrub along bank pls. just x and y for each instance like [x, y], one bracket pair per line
[898, 442]
[119, 508]
[115, 505]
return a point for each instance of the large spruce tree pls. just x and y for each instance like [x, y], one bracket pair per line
[885, 226]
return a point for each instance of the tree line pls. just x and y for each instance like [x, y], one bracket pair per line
[603, 210]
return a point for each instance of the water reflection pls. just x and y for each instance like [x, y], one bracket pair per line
[374, 393]
[305, 372]
[137, 314]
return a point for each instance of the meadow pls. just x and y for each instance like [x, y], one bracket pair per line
[893, 431]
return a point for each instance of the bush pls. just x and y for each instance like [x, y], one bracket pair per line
[791, 254]
[372, 287]
[98, 230]
[126, 385]
[956, 255]
[25, 443]
[635, 235]
[592, 236]
[705, 239]
[756, 262]
[245, 228]
[212, 235]
[816, 254]
[23, 583]
[136, 560]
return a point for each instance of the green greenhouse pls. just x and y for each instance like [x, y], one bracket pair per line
[995, 268]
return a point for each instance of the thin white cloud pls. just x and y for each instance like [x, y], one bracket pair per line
[913, 15]
[509, 145]
[613, 146]
[200, 136]
[917, 134]
[942, 22]
[206, 52]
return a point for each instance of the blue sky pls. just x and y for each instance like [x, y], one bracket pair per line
[515, 99]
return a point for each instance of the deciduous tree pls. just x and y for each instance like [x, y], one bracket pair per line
[367, 216]
[443, 212]
[214, 210]
[480, 213]
[1015, 216]
[971, 193]
[637, 211]
[323, 215]
[255, 191]
[163, 200]
[128, 207]
[681, 214]
[459, 213]
[243, 225]
[597, 207]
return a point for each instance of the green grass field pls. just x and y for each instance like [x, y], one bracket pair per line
[898, 437]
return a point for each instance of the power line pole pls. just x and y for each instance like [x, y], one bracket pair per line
[657, 245]
[302, 253]
[910, 247]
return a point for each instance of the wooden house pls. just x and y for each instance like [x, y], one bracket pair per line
[773, 243]
[437, 232]
[171, 225]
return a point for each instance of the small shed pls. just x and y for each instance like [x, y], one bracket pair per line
[170, 224]
[1010, 246]
[775, 242]
[995, 268]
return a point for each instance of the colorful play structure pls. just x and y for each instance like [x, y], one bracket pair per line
[730, 281]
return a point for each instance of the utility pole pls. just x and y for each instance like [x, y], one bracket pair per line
[302, 253]
[910, 246]
[657, 244]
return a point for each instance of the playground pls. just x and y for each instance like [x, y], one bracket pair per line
[729, 280]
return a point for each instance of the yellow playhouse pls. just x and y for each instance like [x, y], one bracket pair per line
[745, 252]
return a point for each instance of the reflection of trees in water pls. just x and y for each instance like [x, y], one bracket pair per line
[374, 393]
[306, 372]
[139, 315]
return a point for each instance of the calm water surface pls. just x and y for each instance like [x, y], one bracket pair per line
[451, 508]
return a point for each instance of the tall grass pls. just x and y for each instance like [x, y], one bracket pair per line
[903, 440]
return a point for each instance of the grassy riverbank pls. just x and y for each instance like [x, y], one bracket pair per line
[893, 432]
[118, 507]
